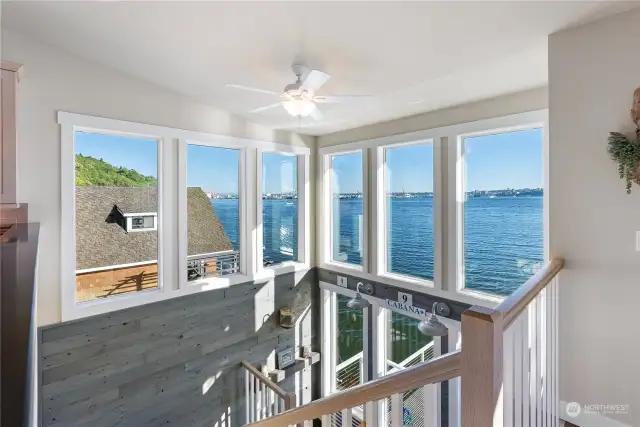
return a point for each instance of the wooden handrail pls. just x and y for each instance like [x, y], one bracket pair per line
[434, 371]
[265, 380]
[522, 297]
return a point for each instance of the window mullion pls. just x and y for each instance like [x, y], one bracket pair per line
[303, 194]
[181, 193]
[378, 235]
[439, 200]
[249, 205]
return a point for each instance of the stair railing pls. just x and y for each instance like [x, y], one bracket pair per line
[264, 398]
[510, 357]
[508, 367]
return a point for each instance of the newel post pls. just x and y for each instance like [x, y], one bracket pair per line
[482, 369]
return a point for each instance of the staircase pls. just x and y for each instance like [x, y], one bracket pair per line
[508, 366]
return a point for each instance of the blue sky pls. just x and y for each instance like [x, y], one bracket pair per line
[511, 160]
[212, 168]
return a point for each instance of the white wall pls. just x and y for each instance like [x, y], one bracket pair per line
[530, 100]
[56, 80]
[593, 71]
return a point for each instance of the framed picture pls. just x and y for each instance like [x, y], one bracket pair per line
[286, 358]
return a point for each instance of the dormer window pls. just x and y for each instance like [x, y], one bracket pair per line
[142, 222]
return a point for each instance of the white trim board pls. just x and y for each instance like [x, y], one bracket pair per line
[589, 420]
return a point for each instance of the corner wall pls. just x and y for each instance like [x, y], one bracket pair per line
[593, 71]
[56, 80]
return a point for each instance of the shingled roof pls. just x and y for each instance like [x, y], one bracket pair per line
[101, 241]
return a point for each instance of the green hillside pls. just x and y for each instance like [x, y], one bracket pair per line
[92, 171]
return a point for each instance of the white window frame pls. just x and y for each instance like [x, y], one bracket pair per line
[448, 197]
[129, 218]
[303, 190]
[326, 232]
[381, 222]
[172, 239]
[456, 182]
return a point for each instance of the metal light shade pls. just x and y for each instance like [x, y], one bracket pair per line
[358, 302]
[432, 326]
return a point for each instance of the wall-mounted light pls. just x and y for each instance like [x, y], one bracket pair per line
[358, 302]
[432, 326]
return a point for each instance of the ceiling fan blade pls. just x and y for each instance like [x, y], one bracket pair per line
[252, 89]
[316, 114]
[342, 99]
[314, 80]
[257, 110]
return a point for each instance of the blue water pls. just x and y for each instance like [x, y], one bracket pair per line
[503, 237]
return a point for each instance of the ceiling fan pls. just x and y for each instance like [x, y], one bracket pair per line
[299, 98]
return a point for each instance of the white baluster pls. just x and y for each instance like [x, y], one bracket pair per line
[347, 420]
[507, 381]
[556, 328]
[269, 402]
[326, 420]
[396, 410]
[518, 369]
[252, 398]
[533, 368]
[430, 402]
[256, 407]
[263, 408]
[538, 384]
[526, 339]
[247, 393]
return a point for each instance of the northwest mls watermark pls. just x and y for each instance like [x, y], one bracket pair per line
[574, 409]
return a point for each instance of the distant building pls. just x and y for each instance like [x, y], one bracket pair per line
[117, 237]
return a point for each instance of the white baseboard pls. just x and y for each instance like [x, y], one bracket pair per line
[589, 420]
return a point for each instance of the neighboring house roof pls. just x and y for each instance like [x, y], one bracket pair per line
[101, 241]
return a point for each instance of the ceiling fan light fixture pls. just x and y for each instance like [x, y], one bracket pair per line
[299, 107]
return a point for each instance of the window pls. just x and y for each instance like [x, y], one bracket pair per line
[279, 208]
[503, 210]
[115, 177]
[142, 223]
[408, 210]
[135, 195]
[213, 212]
[347, 221]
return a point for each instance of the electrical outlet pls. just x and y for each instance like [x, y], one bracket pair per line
[342, 281]
[638, 241]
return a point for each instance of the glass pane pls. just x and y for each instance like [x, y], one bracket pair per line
[148, 222]
[347, 227]
[409, 209]
[503, 210]
[350, 344]
[115, 176]
[213, 212]
[279, 208]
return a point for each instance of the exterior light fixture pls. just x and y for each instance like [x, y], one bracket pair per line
[358, 302]
[432, 326]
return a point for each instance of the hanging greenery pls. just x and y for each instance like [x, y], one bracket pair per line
[626, 152]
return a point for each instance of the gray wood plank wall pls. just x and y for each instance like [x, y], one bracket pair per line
[175, 362]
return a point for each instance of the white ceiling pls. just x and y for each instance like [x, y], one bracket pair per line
[413, 57]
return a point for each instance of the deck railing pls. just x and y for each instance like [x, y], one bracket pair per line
[508, 367]
[213, 264]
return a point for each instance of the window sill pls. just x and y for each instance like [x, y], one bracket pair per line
[268, 273]
[338, 266]
[408, 279]
[213, 283]
[482, 296]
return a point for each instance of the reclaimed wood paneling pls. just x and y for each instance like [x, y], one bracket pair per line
[174, 362]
